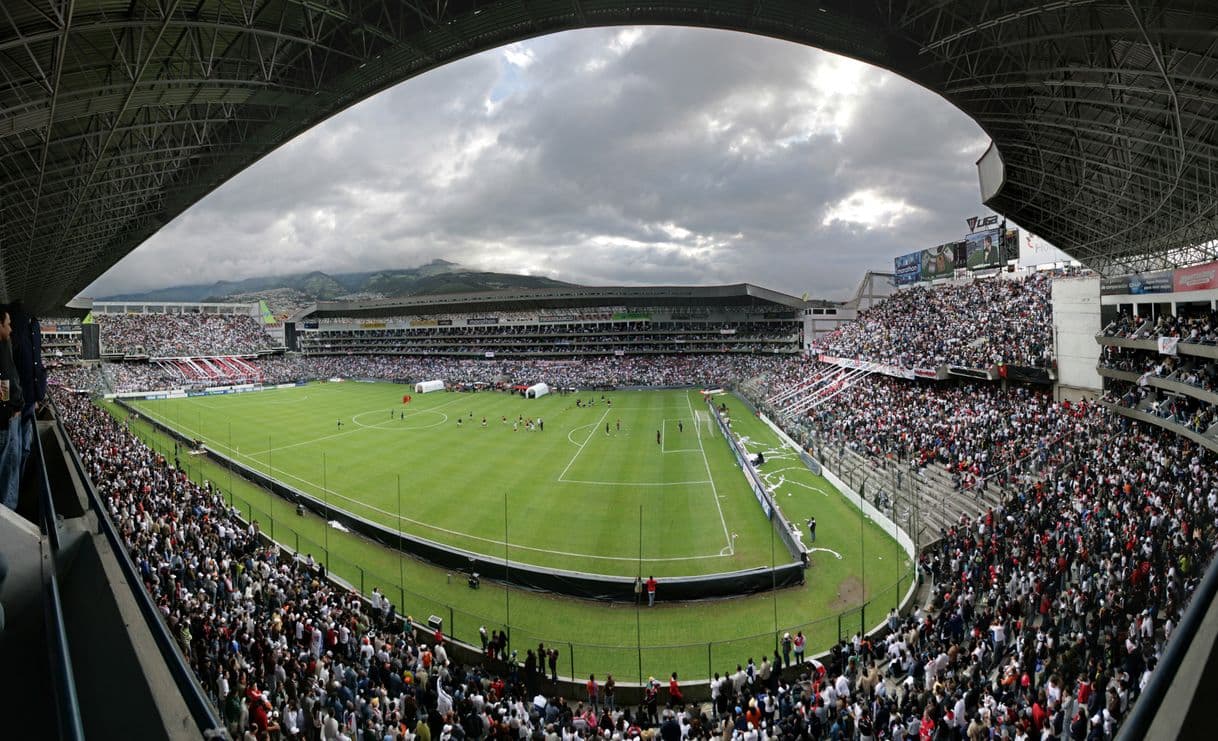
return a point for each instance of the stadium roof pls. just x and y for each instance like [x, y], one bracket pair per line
[117, 115]
[740, 294]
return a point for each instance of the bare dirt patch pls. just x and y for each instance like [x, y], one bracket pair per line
[849, 594]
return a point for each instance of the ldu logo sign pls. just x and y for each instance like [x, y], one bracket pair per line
[975, 222]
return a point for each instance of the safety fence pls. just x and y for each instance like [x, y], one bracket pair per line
[626, 661]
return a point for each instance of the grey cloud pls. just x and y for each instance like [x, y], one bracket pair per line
[576, 151]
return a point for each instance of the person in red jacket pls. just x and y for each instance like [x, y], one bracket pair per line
[675, 697]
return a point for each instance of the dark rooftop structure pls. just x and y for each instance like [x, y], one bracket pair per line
[115, 117]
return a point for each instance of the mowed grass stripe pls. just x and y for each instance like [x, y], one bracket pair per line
[454, 477]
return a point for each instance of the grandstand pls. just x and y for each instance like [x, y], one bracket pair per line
[1065, 546]
[936, 442]
[572, 322]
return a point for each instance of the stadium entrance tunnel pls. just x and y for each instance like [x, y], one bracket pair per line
[525, 576]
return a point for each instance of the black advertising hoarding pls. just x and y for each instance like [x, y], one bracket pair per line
[907, 269]
[984, 249]
[1140, 283]
[939, 262]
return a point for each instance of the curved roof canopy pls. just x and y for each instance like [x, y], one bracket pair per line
[117, 115]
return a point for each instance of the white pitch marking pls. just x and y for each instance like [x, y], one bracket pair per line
[595, 427]
[572, 432]
[709, 475]
[333, 494]
[631, 483]
[399, 428]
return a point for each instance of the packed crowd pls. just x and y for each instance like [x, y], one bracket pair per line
[975, 325]
[558, 339]
[561, 348]
[974, 431]
[1193, 414]
[104, 378]
[1049, 612]
[1053, 610]
[596, 372]
[1198, 372]
[182, 335]
[642, 331]
[1200, 327]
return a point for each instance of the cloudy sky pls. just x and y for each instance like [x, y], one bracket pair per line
[637, 156]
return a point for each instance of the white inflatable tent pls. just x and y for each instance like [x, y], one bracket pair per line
[428, 386]
[537, 391]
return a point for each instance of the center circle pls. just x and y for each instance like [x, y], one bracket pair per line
[410, 423]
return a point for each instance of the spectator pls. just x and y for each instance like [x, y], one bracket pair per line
[982, 323]
[12, 403]
[1077, 579]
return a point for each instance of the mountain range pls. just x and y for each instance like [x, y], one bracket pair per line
[437, 276]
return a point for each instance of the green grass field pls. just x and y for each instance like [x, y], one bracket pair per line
[573, 491]
[857, 571]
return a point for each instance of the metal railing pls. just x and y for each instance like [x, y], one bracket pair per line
[1146, 709]
[63, 679]
[201, 709]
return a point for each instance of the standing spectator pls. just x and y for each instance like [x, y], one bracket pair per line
[651, 591]
[675, 698]
[26, 341]
[12, 401]
[593, 691]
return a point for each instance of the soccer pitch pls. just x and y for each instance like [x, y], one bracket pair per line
[464, 469]
[857, 571]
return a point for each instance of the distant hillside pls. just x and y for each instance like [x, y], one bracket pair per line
[436, 277]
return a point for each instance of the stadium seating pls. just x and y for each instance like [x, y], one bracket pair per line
[974, 325]
[1036, 596]
[181, 335]
[576, 332]
[1061, 540]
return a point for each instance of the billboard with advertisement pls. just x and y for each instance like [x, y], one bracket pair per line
[939, 262]
[1197, 278]
[907, 268]
[1137, 284]
[983, 249]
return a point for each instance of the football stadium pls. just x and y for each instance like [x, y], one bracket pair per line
[977, 498]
